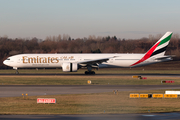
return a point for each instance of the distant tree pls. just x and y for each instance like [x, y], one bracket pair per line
[31, 44]
[108, 38]
[114, 38]
[69, 38]
[59, 38]
[96, 51]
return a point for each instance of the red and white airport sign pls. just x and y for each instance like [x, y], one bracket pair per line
[167, 81]
[46, 100]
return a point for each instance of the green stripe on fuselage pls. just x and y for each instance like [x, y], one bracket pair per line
[165, 40]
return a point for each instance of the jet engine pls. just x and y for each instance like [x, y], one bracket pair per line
[69, 67]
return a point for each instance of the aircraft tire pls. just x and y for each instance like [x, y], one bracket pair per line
[93, 73]
[86, 72]
[89, 72]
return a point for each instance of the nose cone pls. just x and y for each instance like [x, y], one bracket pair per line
[5, 62]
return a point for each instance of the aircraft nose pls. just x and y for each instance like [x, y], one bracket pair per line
[5, 62]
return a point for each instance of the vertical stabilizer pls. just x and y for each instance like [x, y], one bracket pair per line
[158, 49]
[162, 45]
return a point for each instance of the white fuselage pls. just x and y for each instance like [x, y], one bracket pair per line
[56, 60]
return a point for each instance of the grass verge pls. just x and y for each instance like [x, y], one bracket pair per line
[82, 80]
[101, 103]
[100, 71]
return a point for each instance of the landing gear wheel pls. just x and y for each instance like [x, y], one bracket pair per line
[92, 72]
[86, 72]
[89, 72]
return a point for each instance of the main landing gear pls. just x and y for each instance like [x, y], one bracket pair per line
[89, 72]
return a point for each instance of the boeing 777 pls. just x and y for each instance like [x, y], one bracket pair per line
[73, 62]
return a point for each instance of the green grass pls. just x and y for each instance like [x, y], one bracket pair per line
[100, 71]
[82, 80]
[100, 103]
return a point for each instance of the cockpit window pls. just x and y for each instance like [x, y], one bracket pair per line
[8, 59]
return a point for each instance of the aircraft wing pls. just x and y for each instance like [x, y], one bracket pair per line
[96, 61]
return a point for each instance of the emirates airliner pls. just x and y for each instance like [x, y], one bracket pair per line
[73, 62]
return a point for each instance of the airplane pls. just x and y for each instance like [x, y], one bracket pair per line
[73, 62]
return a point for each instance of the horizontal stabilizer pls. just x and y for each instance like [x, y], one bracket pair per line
[165, 57]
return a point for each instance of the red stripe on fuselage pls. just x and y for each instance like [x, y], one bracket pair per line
[147, 55]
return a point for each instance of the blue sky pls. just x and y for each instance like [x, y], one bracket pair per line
[81, 18]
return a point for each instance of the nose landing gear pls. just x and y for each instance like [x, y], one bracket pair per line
[15, 68]
[17, 72]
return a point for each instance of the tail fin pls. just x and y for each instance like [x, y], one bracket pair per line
[158, 49]
[161, 45]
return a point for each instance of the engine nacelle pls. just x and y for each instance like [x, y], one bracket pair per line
[69, 67]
